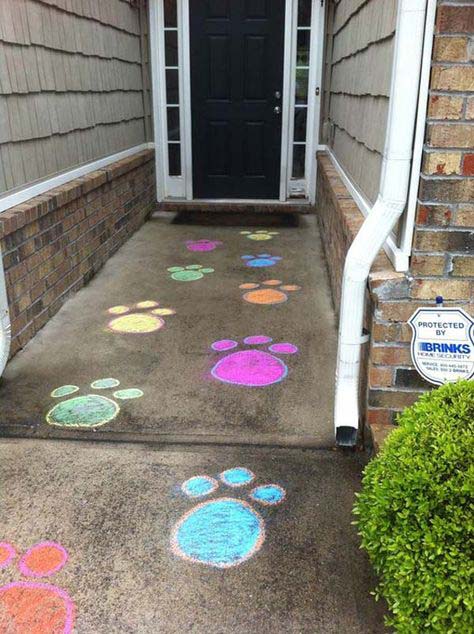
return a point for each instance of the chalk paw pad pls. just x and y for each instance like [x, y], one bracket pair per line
[252, 367]
[269, 292]
[90, 410]
[262, 260]
[189, 273]
[225, 531]
[142, 318]
[31, 606]
[261, 234]
[202, 245]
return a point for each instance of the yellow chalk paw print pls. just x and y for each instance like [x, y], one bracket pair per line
[261, 234]
[141, 318]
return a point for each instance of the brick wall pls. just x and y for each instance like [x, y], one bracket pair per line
[54, 244]
[443, 247]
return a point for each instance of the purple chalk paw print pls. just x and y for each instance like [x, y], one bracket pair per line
[202, 245]
[253, 367]
[261, 260]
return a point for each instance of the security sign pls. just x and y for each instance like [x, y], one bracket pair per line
[442, 347]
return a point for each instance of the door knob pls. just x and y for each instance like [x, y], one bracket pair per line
[277, 110]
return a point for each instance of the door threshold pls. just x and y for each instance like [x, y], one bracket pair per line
[301, 206]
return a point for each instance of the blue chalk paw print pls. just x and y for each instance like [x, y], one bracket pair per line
[225, 531]
[261, 260]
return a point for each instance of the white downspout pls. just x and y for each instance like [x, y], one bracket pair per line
[390, 204]
[5, 328]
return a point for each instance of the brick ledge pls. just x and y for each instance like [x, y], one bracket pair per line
[17, 217]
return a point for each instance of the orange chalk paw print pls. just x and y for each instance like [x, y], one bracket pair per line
[32, 607]
[269, 292]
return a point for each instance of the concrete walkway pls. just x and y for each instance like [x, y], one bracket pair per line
[221, 507]
[182, 401]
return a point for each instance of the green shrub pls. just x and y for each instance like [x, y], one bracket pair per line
[415, 514]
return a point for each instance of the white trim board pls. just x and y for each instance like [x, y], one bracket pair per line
[30, 191]
[398, 258]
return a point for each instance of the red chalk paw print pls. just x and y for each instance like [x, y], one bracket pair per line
[33, 607]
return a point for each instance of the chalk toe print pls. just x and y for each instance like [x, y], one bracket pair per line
[268, 293]
[90, 410]
[225, 531]
[260, 261]
[189, 273]
[28, 607]
[142, 318]
[252, 367]
[202, 245]
[261, 234]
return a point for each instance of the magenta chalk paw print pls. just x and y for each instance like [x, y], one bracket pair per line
[252, 367]
[33, 606]
[202, 245]
[260, 261]
[142, 318]
[225, 531]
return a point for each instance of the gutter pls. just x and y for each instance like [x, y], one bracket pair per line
[390, 204]
[5, 326]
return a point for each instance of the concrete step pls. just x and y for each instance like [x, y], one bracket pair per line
[145, 557]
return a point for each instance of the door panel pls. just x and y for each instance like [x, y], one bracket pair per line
[237, 51]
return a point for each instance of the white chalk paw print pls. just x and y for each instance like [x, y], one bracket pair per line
[189, 273]
[251, 368]
[141, 318]
[268, 292]
[261, 234]
[225, 531]
[90, 410]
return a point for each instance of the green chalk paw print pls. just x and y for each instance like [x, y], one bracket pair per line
[261, 234]
[188, 273]
[91, 410]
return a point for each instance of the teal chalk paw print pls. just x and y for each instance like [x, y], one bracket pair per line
[188, 273]
[225, 531]
[261, 260]
[91, 410]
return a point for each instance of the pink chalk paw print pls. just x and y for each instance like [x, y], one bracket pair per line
[252, 367]
[31, 607]
[202, 245]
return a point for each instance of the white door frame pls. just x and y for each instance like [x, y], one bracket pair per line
[181, 187]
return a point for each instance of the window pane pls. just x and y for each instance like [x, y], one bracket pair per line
[302, 55]
[173, 124]
[304, 12]
[300, 124]
[301, 85]
[174, 159]
[170, 13]
[172, 87]
[171, 48]
[299, 153]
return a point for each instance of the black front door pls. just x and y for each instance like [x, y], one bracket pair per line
[236, 87]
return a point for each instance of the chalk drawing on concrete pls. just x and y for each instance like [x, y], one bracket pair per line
[225, 531]
[189, 273]
[252, 367]
[261, 234]
[90, 410]
[7, 554]
[268, 293]
[202, 245]
[31, 606]
[141, 318]
[261, 260]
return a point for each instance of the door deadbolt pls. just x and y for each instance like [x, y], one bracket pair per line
[277, 110]
[277, 94]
